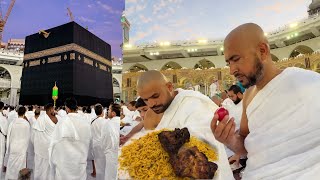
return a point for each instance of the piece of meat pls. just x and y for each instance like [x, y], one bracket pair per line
[172, 141]
[190, 162]
[186, 162]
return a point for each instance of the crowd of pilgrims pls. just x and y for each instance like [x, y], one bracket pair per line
[68, 142]
[73, 142]
[41, 143]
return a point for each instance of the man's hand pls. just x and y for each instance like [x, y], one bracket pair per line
[124, 139]
[224, 131]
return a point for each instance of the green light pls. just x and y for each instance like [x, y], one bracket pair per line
[122, 19]
[54, 92]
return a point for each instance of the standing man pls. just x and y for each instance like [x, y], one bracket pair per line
[97, 127]
[30, 114]
[41, 136]
[235, 94]
[110, 141]
[280, 125]
[213, 88]
[12, 115]
[69, 145]
[17, 144]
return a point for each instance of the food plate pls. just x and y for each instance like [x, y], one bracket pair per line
[156, 165]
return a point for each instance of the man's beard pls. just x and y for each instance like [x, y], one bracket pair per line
[161, 108]
[253, 78]
[237, 101]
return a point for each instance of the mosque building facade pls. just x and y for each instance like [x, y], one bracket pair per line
[197, 64]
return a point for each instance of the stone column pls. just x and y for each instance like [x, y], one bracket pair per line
[13, 96]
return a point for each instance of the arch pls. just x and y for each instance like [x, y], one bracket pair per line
[5, 79]
[282, 67]
[318, 67]
[171, 65]
[138, 67]
[5, 84]
[274, 58]
[199, 81]
[300, 65]
[7, 69]
[115, 82]
[301, 49]
[204, 64]
[185, 83]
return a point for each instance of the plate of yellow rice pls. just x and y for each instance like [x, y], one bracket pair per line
[144, 158]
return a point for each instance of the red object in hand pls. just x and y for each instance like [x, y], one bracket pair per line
[222, 112]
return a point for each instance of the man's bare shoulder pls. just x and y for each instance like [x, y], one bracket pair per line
[249, 94]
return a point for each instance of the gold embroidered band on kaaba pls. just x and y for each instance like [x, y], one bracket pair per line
[66, 48]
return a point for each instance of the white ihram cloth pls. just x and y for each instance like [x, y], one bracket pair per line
[12, 115]
[227, 103]
[41, 136]
[97, 127]
[68, 150]
[29, 115]
[62, 113]
[284, 126]
[89, 119]
[195, 111]
[235, 111]
[125, 111]
[4, 130]
[110, 146]
[127, 129]
[30, 158]
[17, 146]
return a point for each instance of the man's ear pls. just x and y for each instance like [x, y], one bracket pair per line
[170, 86]
[264, 51]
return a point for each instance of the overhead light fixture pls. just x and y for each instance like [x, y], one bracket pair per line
[221, 49]
[293, 25]
[166, 43]
[128, 46]
[202, 41]
[265, 34]
[296, 34]
[154, 53]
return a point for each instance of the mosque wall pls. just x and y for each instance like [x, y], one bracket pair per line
[188, 78]
[285, 52]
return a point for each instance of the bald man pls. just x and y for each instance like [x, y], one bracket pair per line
[181, 108]
[280, 126]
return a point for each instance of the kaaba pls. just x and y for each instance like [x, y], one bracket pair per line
[72, 57]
